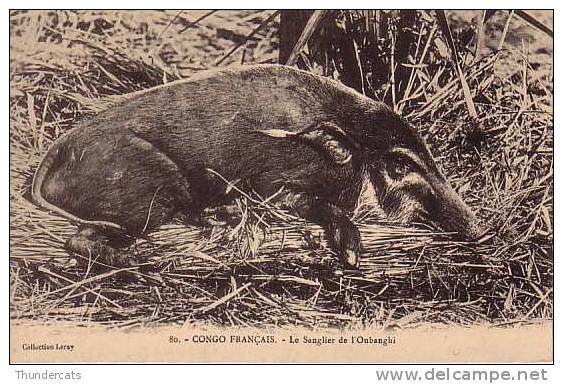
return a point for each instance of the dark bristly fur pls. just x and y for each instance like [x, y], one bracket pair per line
[131, 167]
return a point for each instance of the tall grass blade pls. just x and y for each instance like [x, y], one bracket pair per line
[311, 26]
[445, 28]
[534, 22]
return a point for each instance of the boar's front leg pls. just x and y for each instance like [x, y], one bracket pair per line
[93, 246]
[342, 235]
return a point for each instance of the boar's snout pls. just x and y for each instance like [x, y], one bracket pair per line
[455, 216]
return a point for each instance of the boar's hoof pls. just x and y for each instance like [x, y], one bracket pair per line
[351, 258]
[344, 238]
[92, 248]
[228, 214]
[118, 258]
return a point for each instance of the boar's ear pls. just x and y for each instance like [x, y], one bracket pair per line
[328, 138]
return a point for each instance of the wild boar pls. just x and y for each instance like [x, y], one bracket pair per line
[133, 166]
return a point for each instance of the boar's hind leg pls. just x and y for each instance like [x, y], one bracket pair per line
[93, 246]
[342, 235]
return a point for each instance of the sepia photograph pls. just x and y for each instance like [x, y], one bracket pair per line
[335, 186]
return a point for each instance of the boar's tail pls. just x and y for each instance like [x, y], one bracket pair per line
[50, 160]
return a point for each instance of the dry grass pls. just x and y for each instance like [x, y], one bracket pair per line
[270, 268]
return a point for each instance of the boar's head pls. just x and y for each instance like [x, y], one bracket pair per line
[406, 178]
[408, 183]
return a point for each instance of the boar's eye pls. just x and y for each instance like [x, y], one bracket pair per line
[399, 165]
